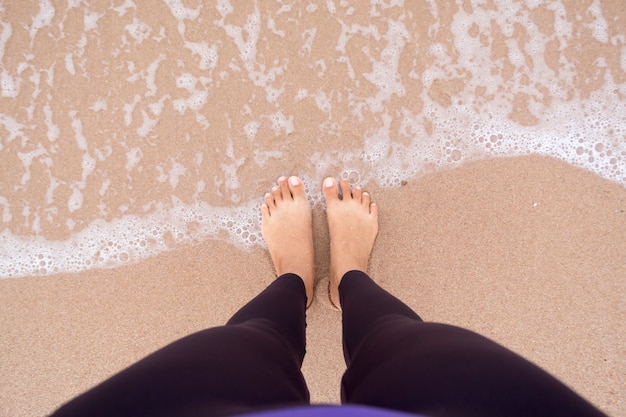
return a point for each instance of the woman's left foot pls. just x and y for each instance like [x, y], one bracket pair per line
[288, 231]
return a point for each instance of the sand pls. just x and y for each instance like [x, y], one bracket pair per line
[112, 113]
[528, 251]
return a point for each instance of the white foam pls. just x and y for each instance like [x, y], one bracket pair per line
[322, 102]
[91, 20]
[224, 7]
[6, 212]
[251, 129]
[43, 18]
[53, 130]
[208, 54]
[75, 201]
[281, 124]
[10, 86]
[385, 74]
[123, 8]
[133, 156]
[88, 164]
[181, 12]
[261, 157]
[148, 75]
[77, 127]
[599, 27]
[69, 63]
[73, 4]
[176, 171]
[586, 132]
[138, 30]
[99, 105]
[7, 31]
[147, 125]
[54, 184]
[27, 160]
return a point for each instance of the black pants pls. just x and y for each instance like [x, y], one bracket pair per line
[394, 359]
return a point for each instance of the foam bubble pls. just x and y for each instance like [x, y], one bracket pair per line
[251, 129]
[138, 30]
[208, 54]
[281, 124]
[43, 18]
[77, 127]
[75, 202]
[599, 26]
[53, 130]
[323, 103]
[10, 86]
[133, 156]
[121, 9]
[91, 20]
[224, 7]
[176, 171]
[7, 31]
[147, 126]
[180, 12]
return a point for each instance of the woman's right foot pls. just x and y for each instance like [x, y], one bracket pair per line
[352, 226]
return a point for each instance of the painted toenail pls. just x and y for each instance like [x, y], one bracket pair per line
[328, 182]
[294, 181]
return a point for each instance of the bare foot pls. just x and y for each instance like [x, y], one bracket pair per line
[287, 230]
[352, 226]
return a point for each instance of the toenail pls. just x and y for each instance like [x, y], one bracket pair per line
[328, 182]
[294, 181]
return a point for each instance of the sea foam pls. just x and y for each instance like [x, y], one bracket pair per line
[406, 89]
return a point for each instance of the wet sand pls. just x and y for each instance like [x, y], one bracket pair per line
[528, 251]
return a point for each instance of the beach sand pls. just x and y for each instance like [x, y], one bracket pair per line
[528, 251]
[151, 128]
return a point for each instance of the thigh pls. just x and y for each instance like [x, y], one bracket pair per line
[442, 370]
[252, 363]
[221, 371]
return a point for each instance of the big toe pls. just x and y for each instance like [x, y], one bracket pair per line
[296, 186]
[330, 190]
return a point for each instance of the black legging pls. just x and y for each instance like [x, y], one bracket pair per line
[395, 360]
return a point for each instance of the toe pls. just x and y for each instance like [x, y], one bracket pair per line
[265, 211]
[269, 201]
[277, 194]
[357, 193]
[374, 211]
[345, 189]
[284, 188]
[330, 190]
[296, 187]
[366, 199]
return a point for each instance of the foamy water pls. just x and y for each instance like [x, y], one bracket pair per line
[133, 128]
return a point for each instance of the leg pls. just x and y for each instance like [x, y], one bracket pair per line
[397, 361]
[251, 363]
